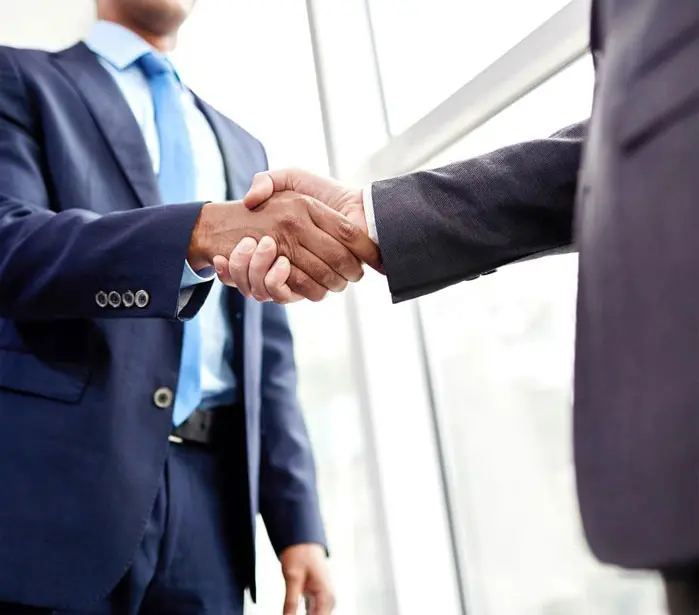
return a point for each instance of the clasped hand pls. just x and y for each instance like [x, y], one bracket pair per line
[288, 266]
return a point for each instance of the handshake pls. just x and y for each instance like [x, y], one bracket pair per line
[295, 235]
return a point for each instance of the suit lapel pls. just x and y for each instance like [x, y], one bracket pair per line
[113, 116]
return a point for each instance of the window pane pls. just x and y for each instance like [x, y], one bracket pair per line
[327, 387]
[501, 352]
[223, 71]
[428, 50]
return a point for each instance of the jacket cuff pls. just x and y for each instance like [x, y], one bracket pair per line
[294, 523]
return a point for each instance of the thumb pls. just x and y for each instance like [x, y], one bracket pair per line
[222, 270]
[261, 189]
[294, 589]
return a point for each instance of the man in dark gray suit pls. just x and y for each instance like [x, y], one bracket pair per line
[632, 196]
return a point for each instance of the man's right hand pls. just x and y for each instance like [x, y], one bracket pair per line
[324, 249]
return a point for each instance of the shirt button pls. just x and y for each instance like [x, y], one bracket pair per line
[142, 298]
[114, 299]
[238, 315]
[101, 299]
[163, 397]
[128, 299]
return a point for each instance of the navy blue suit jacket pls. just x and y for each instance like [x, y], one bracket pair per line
[83, 443]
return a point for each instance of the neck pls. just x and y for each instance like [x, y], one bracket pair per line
[162, 42]
[165, 44]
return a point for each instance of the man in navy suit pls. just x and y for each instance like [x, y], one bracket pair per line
[147, 413]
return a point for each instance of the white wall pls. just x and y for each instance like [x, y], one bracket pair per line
[48, 24]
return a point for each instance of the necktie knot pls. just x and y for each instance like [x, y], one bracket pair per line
[153, 65]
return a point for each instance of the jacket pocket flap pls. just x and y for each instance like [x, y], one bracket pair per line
[26, 373]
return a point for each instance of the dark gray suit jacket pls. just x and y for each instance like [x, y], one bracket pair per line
[628, 182]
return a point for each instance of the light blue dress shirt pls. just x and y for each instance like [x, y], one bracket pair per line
[117, 48]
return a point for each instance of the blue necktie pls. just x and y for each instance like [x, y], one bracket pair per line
[176, 179]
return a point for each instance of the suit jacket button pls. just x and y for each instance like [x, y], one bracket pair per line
[101, 299]
[163, 397]
[114, 299]
[128, 299]
[142, 298]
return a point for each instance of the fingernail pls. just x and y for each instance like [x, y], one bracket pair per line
[247, 245]
[266, 243]
[219, 268]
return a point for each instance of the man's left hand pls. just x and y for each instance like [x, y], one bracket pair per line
[305, 570]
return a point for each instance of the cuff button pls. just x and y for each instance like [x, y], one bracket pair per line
[142, 299]
[114, 299]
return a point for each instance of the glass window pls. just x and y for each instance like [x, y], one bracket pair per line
[61, 23]
[329, 396]
[501, 352]
[428, 50]
[223, 72]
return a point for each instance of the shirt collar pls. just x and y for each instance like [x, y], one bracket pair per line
[118, 45]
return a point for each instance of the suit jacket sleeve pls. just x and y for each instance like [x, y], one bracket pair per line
[437, 228]
[53, 264]
[288, 494]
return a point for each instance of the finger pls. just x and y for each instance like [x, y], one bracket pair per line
[261, 189]
[349, 235]
[317, 268]
[239, 264]
[260, 264]
[276, 282]
[294, 588]
[324, 246]
[264, 184]
[303, 285]
[325, 189]
[221, 267]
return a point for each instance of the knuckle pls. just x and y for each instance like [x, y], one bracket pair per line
[290, 223]
[326, 277]
[347, 231]
[287, 246]
[293, 575]
[300, 283]
[338, 259]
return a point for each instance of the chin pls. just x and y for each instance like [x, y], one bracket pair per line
[160, 17]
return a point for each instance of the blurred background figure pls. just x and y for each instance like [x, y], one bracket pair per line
[442, 434]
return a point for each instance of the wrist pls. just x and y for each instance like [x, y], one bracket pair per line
[356, 208]
[197, 253]
[216, 231]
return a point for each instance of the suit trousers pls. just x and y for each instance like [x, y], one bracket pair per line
[185, 562]
[682, 586]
